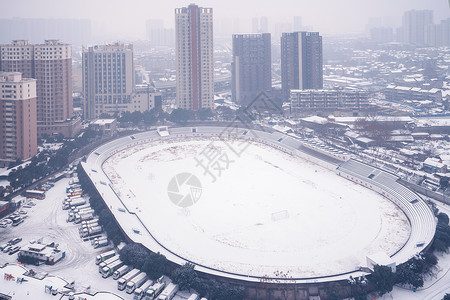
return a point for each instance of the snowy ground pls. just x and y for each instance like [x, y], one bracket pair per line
[328, 225]
[48, 220]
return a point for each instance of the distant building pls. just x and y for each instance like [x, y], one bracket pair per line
[18, 135]
[159, 36]
[194, 54]
[51, 64]
[414, 25]
[402, 93]
[298, 26]
[74, 31]
[260, 25]
[382, 34]
[301, 62]
[438, 35]
[330, 100]
[251, 67]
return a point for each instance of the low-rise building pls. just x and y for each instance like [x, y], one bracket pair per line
[106, 126]
[330, 100]
[41, 253]
[434, 165]
[401, 93]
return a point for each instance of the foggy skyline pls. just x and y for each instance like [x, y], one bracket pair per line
[126, 19]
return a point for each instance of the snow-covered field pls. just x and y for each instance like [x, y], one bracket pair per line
[258, 213]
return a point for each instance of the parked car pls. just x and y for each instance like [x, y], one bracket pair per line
[14, 250]
[6, 250]
[15, 240]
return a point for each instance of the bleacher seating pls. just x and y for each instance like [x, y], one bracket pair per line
[421, 218]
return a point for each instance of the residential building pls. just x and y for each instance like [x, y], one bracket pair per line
[108, 79]
[414, 25]
[251, 67]
[438, 35]
[329, 100]
[18, 135]
[194, 57]
[301, 62]
[51, 65]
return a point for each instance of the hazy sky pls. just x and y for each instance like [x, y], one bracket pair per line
[127, 17]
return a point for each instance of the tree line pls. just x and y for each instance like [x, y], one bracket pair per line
[156, 265]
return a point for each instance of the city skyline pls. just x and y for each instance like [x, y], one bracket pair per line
[324, 16]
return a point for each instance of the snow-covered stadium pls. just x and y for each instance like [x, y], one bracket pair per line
[256, 205]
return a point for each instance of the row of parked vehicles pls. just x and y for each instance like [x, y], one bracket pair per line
[81, 212]
[11, 246]
[135, 282]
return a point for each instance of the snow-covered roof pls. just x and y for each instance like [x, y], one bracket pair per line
[103, 121]
[434, 162]
[315, 119]
[381, 258]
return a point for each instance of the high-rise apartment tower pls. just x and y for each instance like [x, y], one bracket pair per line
[301, 62]
[18, 136]
[194, 57]
[251, 67]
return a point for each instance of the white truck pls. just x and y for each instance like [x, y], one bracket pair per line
[81, 210]
[169, 292]
[136, 282]
[139, 293]
[122, 282]
[194, 296]
[83, 217]
[73, 215]
[104, 256]
[95, 220]
[72, 209]
[74, 203]
[86, 225]
[67, 200]
[111, 268]
[121, 271]
[154, 290]
[101, 243]
[107, 262]
[74, 192]
[91, 231]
